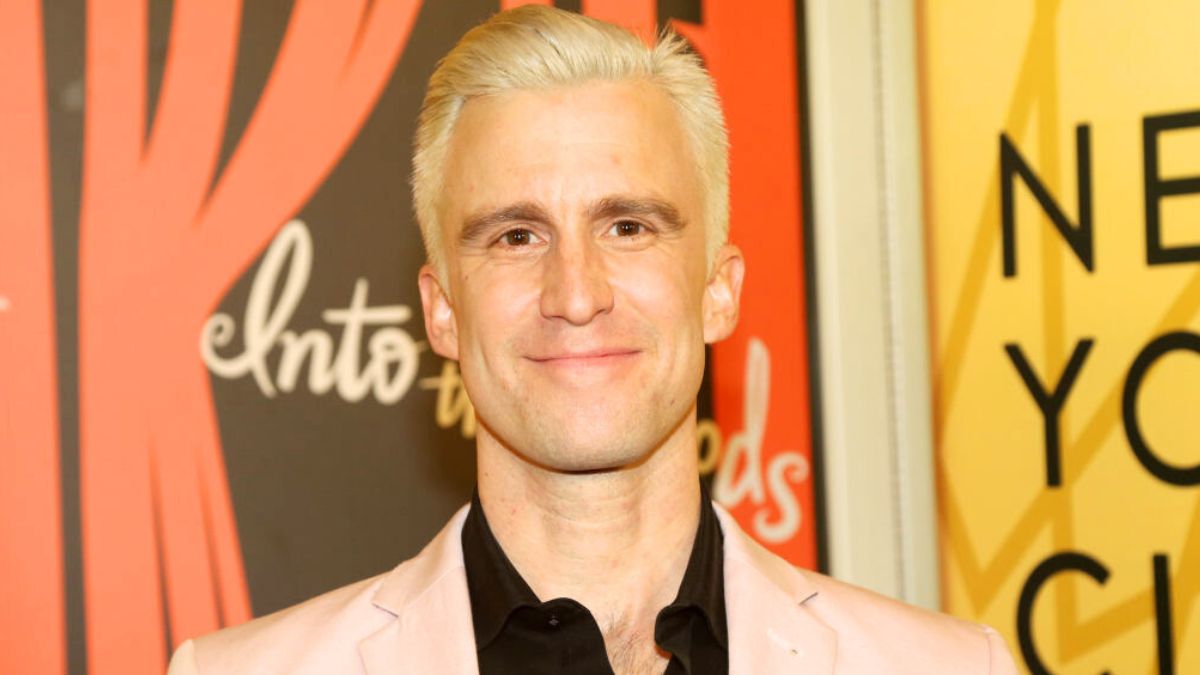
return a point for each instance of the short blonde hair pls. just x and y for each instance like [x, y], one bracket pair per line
[537, 47]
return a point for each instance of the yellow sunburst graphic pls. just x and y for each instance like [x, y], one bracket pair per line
[1067, 352]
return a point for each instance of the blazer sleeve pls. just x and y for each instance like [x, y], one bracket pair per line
[1000, 659]
[184, 660]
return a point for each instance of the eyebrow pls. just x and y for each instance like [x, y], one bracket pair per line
[617, 206]
[479, 225]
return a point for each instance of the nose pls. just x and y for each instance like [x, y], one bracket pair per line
[575, 284]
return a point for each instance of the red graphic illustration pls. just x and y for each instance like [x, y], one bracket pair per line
[30, 536]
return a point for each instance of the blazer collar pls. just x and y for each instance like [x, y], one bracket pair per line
[770, 628]
[432, 632]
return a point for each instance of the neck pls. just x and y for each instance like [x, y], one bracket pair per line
[616, 541]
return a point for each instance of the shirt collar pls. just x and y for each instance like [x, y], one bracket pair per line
[703, 585]
[495, 586]
[497, 589]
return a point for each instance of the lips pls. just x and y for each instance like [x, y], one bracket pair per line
[598, 355]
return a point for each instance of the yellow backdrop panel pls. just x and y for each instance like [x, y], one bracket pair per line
[1098, 103]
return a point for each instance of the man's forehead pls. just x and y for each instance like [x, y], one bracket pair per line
[578, 144]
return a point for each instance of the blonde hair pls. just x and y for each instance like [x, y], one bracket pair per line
[537, 47]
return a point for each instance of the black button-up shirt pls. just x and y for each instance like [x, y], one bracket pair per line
[515, 632]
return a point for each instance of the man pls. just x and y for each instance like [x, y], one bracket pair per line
[571, 187]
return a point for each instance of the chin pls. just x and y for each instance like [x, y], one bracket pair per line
[583, 435]
[587, 455]
[574, 445]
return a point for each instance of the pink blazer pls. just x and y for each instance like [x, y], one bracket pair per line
[416, 619]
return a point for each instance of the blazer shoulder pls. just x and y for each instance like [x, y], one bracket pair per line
[323, 635]
[327, 626]
[889, 633]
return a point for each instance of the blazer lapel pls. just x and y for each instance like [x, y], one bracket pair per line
[770, 629]
[432, 630]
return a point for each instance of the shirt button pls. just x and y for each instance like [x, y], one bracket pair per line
[553, 622]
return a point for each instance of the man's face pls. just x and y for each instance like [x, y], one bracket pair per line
[579, 298]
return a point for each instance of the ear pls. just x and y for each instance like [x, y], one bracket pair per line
[440, 324]
[723, 294]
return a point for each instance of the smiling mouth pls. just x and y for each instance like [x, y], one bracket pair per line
[597, 357]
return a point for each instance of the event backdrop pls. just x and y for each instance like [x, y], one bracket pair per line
[1062, 154]
[216, 398]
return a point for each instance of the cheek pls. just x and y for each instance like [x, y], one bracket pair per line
[666, 297]
[494, 306]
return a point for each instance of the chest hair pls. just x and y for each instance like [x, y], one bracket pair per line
[632, 651]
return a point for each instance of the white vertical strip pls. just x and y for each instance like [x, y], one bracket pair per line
[870, 275]
[850, 325]
[904, 224]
